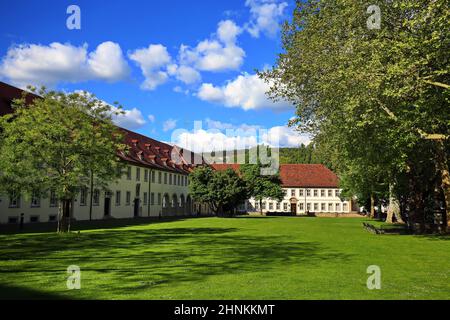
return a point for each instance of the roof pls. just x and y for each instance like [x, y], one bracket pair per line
[143, 151]
[299, 175]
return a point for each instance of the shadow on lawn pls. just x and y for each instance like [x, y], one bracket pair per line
[133, 261]
[16, 293]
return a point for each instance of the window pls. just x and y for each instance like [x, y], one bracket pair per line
[53, 200]
[330, 207]
[308, 193]
[338, 207]
[292, 192]
[52, 218]
[145, 198]
[345, 207]
[146, 175]
[152, 198]
[96, 197]
[179, 180]
[185, 181]
[83, 196]
[264, 205]
[315, 193]
[330, 193]
[13, 220]
[322, 193]
[35, 200]
[159, 177]
[118, 198]
[159, 198]
[300, 192]
[129, 173]
[170, 178]
[322, 207]
[153, 176]
[270, 205]
[285, 206]
[278, 206]
[301, 206]
[308, 206]
[337, 193]
[14, 200]
[128, 198]
[165, 177]
[138, 174]
[316, 206]
[34, 218]
[138, 190]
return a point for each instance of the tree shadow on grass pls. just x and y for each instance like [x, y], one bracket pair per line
[136, 261]
[17, 293]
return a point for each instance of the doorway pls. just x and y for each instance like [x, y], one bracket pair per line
[107, 208]
[136, 208]
[294, 209]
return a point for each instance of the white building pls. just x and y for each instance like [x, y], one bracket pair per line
[154, 184]
[308, 188]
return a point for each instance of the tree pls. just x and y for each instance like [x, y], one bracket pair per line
[222, 190]
[261, 186]
[59, 143]
[375, 99]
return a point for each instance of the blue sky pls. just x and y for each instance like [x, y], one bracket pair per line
[168, 63]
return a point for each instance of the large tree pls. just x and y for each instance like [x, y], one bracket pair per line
[222, 190]
[376, 99]
[260, 186]
[59, 144]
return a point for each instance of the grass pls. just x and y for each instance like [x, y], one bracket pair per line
[216, 258]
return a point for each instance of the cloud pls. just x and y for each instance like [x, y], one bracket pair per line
[220, 53]
[63, 63]
[219, 136]
[152, 61]
[151, 118]
[184, 74]
[169, 124]
[265, 18]
[246, 91]
[131, 119]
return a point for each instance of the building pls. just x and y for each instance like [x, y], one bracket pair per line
[154, 184]
[308, 188]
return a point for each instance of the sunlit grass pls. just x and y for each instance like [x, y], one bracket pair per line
[218, 258]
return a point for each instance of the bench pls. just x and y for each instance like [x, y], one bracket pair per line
[372, 228]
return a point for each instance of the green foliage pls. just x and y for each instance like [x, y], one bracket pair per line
[261, 186]
[56, 142]
[222, 190]
[368, 96]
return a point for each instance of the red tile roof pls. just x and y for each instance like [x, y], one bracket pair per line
[143, 151]
[299, 175]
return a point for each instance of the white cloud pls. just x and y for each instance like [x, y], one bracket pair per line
[220, 53]
[184, 74]
[151, 118]
[131, 119]
[61, 63]
[169, 124]
[266, 16]
[246, 91]
[152, 61]
[225, 136]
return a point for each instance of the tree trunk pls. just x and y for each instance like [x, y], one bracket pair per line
[394, 207]
[372, 206]
[64, 222]
[445, 180]
[260, 207]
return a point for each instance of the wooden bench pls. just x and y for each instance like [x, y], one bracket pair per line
[372, 228]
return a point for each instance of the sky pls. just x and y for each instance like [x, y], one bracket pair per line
[184, 71]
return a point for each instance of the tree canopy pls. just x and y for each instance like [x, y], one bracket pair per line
[56, 144]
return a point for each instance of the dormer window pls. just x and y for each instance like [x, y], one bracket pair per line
[134, 142]
[139, 154]
[148, 146]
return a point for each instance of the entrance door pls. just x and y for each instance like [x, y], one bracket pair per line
[107, 210]
[294, 209]
[136, 208]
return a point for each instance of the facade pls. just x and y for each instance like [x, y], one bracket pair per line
[308, 188]
[154, 183]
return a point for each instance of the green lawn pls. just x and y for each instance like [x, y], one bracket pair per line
[218, 258]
